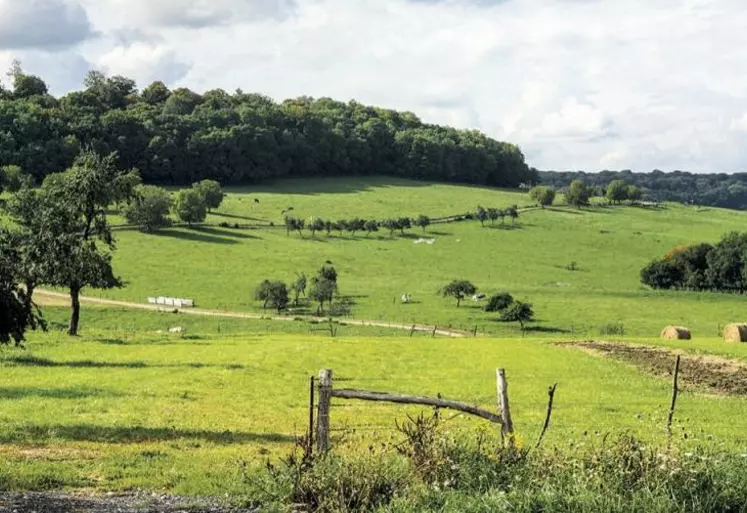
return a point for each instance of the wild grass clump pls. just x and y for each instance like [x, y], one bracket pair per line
[431, 469]
[612, 329]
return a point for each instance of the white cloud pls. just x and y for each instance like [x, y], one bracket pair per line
[577, 83]
[144, 63]
[42, 24]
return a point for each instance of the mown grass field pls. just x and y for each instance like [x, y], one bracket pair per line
[220, 267]
[114, 410]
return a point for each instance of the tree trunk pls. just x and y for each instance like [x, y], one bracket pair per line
[75, 315]
[459, 300]
[29, 301]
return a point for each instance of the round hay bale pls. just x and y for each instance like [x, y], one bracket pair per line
[735, 333]
[676, 333]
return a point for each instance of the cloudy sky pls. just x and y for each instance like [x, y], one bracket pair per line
[578, 84]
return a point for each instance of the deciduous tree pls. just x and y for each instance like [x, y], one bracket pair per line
[459, 289]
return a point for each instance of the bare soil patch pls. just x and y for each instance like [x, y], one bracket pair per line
[715, 374]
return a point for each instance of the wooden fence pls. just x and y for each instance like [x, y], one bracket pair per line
[327, 391]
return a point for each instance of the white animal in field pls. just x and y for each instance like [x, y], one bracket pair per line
[405, 298]
[178, 329]
[478, 297]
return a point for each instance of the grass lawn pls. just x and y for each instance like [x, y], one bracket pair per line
[220, 267]
[112, 410]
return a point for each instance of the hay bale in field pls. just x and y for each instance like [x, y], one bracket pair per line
[676, 333]
[735, 333]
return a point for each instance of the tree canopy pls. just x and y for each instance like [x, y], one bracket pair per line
[180, 137]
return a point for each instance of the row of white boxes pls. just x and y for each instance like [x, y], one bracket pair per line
[172, 301]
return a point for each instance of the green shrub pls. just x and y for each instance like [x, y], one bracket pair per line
[499, 302]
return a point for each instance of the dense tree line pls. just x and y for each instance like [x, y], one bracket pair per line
[719, 267]
[180, 137]
[718, 190]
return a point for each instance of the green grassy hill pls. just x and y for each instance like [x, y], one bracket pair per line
[121, 411]
[220, 267]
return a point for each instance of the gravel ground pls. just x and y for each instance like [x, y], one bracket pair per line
[110, 503]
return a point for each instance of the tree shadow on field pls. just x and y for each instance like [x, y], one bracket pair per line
[223, 233]
[236, 216]
[55, 393]
[575, 211]
[135, 434]
[545, 329]
[194, 235]
[35, 361]
[327, 185]
[508, 227]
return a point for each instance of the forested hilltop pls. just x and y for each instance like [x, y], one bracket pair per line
[179, 137]
[716, 190]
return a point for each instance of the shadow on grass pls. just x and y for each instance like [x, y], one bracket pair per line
[223, 232]
[311, 187]
[574, 211]
[194, 235]
[507, 226]
[134, 434]
[54, 393]
[35, 361]
[236, 216]
[545, 329]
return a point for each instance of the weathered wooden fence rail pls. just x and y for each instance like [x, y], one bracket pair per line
[327, 392]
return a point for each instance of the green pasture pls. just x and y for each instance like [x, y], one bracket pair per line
[115, 411]
[220, 267]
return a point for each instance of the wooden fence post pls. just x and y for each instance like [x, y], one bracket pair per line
[507, 429]
[322, 418]
[311, 414]
[675, 390]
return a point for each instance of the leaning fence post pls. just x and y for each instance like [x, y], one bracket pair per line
[507, 428]
[322, 418]
[675, 391]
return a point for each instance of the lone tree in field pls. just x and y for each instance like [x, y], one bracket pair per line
[17, 311]
[544, 196]
[482, 215]
[617, 191]
[273, 293]
[578, 194]
[190, 206]
[211, 192]
[299, 288]
[149, 208]
[423, 222]
[458, 289]
[499, 302]
[74, 228]
[323, 287]
[316, 225]
[518, 312]
[371, 226]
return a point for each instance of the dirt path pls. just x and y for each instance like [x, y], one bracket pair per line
[716, 374]
[47, 297]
